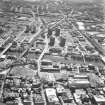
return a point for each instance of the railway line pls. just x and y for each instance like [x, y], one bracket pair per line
[40, 31]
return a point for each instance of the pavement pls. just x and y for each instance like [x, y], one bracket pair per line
[42, 54]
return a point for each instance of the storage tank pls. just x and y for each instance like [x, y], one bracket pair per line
[33, 29]
[52, 41]
[57, 32]
[49, 32]
[62, 41]
[27, 29]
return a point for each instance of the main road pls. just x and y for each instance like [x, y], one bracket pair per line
[46, 40]
[8, 46]
[39, 32]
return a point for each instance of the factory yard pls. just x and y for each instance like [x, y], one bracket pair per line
[52, 53]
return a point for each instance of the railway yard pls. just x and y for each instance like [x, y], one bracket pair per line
[52, 53]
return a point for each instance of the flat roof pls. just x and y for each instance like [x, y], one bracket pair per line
[79, 81]
[99, 98]
[50, 91]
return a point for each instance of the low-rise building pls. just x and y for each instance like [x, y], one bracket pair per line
[51, 97]
[78, 83]
[99, 99]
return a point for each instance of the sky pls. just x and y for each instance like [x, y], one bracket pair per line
[65, 0]
[69, 0]
[80, 1]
